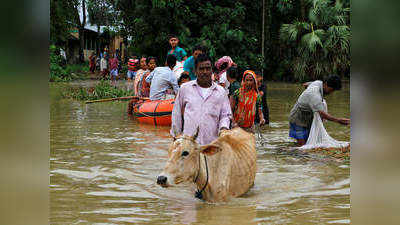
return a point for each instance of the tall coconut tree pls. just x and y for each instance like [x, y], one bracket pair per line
[321, 42]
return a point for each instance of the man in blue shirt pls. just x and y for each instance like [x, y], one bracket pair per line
[162, 79]
[188, 67]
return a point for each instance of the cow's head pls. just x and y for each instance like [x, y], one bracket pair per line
[183, 160]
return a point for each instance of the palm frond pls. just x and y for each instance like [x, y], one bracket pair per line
[310, 42]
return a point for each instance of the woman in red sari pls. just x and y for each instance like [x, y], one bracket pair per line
[245, 101]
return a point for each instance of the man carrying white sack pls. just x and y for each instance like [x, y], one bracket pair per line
[310, 101]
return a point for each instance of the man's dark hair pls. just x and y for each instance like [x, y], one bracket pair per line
[201, 58]
[171, 60]
[150, 58]
[198, 47]
[232, 72]
[183, 76]
[172, 36]
[334, 82]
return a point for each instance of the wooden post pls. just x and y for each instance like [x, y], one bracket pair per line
[263, 36]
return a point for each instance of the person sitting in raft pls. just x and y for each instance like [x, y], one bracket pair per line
[179, 53]
[161, 79]
[245, 101]
[144, 87]
[310, 101]
[188, 67]
[183, 79]
[139, 74]
[262, 90]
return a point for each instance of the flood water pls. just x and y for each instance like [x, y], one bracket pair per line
[103, 169]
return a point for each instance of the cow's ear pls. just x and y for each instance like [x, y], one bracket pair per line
[210, 149]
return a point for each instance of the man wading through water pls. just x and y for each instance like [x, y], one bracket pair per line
[310, 101]
[201, 104]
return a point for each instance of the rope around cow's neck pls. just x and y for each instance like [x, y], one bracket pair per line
[198, 193]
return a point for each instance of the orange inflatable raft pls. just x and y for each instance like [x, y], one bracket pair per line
[157, 113]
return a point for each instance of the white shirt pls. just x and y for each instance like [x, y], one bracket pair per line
[224, 80]
[103, 64]
[204, 91]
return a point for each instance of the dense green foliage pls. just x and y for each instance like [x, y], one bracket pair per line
[102, 90]
[320, 44]
[303, 39]
[59, 72]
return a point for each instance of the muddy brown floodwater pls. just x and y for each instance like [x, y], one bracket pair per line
[103, 168]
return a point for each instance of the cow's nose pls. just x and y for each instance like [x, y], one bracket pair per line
[161, 180]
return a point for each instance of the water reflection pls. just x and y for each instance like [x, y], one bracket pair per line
[103, 166]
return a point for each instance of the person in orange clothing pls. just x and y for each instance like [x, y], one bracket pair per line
[245, 101]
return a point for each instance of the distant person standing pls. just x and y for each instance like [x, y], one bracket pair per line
[132, 68]
[175, 50]
[113, 64]
[231, 76]
[92, 62]
[103, 67]
[188, 67]
[262, 91]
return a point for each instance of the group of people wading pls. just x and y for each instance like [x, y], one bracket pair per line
[213, 97]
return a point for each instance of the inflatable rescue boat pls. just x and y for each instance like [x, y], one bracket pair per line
[157, 113]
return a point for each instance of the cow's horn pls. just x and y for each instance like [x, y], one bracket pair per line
[196, 133]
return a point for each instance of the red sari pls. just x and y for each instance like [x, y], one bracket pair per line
[246, 104]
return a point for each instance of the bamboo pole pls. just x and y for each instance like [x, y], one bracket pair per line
[115, 99]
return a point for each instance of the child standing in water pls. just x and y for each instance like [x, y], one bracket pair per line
[175, 50]
[245, 101]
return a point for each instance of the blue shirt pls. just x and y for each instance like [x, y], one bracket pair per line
[179, 53]
[189, 67]
[161, 79]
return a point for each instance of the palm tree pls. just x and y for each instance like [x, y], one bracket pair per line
[322, 42]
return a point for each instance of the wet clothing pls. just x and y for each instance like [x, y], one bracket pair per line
[189, 67]
[246, 103]
[298, 132]
[161, 79]
[178, 52]
[310, 101]
[210, 113]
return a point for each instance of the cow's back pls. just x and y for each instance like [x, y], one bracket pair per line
[237, 162]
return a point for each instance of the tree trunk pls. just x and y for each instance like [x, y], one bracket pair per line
[125, 49]
[82, 33]
[303, 9]
[81, 44]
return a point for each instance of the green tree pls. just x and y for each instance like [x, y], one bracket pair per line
[319, 45]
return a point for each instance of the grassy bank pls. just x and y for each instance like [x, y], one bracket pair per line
[102, 90]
